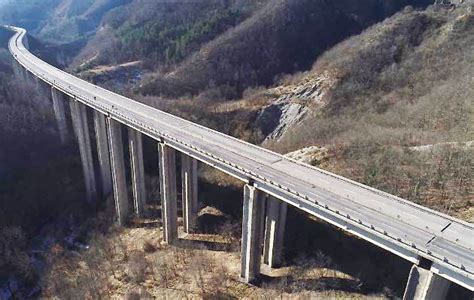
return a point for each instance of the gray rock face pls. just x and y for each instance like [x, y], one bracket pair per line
[292, 104]
[285, 116]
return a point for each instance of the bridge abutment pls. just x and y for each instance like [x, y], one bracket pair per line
[190, 202]
[275, 222]
[79, 120]
[424, 284]
[100, 128]
[135, 144]
[252, 228]
[60, 114]
[118, 170]
[169, 206]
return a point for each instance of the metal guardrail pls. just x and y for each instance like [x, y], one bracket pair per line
[387, 221]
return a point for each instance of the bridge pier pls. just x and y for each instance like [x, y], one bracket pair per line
[100, 128]
[424, 284]
[169, 206]
[16, 69]
[38, 87]
[189, 192]
[27, 76]
[118, 170]
[60, 114]
[138, 171]
[252, 228]
[23, 74]
[275, 221]
[79, 120]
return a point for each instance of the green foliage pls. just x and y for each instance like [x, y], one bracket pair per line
[165, 41]
[280, 37]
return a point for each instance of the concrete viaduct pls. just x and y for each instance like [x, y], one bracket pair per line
[439, 246]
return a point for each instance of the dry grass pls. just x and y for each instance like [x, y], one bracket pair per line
[396, 90]
[115, 266]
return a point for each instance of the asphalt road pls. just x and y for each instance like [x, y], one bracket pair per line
[402, 227]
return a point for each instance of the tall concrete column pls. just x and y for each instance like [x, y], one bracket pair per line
[88, 145]
[38, 86]
[118, 170]
[252, 227]
[189, 192]
[16, 69]
[100, 127]
[424, 284]
[60, 114]
[169, 206]
[138, 171]
[275, 222]
[79, 120]
[26, 76]
[23, 75]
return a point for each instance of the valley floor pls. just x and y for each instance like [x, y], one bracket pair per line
[133, 263]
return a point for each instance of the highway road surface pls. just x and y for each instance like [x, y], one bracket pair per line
[397, 225]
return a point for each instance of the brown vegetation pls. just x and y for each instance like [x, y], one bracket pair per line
[405, 82]
[281, 37]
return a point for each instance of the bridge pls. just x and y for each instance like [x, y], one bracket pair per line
[439, 246]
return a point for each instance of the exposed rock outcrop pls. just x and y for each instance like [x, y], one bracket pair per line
[292, 103]
[312, 155]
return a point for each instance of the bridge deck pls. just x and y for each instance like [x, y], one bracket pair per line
[407, 229]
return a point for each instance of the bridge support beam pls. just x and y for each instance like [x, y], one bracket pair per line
[79, 120]
[424, 284]
[118, 170]
[100, 128]
[138, 171]
[60, 114]
[189, 192]
[169, 206]
[275, 221]
[252, 228]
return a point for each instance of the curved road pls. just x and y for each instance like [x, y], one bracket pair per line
[402, 227]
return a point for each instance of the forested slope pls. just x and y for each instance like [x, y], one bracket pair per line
[161, 32]
[39, 179]
[376, 99]
[281, 37]
[59, 21]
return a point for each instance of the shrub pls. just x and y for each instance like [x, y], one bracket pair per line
[137, 266]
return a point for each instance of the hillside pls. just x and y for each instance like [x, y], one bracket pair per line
[225, 46]
[72, 20]
[59, 21]
[372, 100]
[29, 14]
[281, 37]
[161, 32]
[391, 107]
[368, 89]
